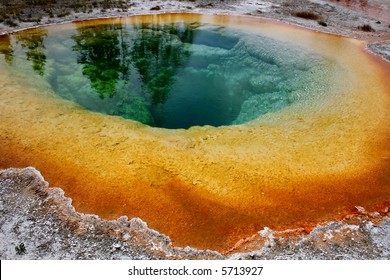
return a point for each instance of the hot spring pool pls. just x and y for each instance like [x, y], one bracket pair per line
[208, 128]
[173, 74]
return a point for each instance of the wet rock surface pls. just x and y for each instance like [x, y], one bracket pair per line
[38, 222]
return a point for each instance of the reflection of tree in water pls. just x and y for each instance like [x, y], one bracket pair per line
[154, 52]
[100, 52]
[33, 41]
[6, 48]
[157, 53]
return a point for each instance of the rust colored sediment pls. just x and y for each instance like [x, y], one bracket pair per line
[210, 187]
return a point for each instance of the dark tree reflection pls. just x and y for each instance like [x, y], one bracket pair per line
[132, 68]
[100, 51]
[33, 42]
[6, 48]
[157, 53]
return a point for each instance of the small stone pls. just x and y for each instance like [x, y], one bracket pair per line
[375, 215]
[123, 219]
[361, 209]
[155, 8]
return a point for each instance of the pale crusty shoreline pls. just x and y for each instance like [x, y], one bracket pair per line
[44, 221]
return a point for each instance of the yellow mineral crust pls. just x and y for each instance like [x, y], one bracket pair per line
[209, 187]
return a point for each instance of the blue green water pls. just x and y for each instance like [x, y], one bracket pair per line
[175, 75]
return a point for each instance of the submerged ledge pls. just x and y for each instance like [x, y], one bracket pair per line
[45, 222]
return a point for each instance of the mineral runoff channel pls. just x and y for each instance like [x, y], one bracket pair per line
[209, 187]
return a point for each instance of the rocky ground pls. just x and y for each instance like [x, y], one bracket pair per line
[38, 222]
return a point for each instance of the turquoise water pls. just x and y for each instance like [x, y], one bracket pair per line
[170, 75]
